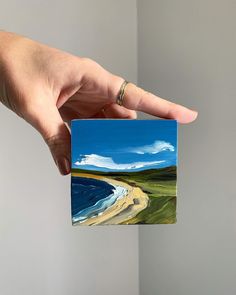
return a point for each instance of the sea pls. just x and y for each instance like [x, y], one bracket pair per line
[91, 197]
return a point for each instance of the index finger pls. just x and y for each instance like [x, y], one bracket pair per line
[138, 99]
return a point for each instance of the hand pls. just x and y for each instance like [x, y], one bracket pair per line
[48, 87]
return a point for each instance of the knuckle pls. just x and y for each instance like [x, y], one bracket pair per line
[173, 110]
[55, 143]
[58, 143]
[141, 97]
[52, 141]
[87, 61]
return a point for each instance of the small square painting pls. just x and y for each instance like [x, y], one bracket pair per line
[123, 172]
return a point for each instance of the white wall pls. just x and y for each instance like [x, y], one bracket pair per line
[40, 252]
[187, 53]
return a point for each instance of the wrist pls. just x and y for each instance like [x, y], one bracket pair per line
[7, 40]
[9, 50]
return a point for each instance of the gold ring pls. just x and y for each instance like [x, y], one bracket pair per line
[121, 94]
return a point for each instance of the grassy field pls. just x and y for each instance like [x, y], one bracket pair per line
[158, 184]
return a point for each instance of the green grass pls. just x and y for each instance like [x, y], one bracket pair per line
[158, 184]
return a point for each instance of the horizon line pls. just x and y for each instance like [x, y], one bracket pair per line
[134, 170]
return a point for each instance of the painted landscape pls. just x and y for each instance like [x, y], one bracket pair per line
[123, 172]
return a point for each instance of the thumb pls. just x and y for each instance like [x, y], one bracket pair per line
[47, 120]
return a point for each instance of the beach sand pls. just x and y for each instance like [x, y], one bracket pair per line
[124, 209]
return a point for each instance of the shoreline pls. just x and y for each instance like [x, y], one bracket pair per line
[123, 209]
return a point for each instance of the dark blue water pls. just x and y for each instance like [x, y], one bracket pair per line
[85, 192]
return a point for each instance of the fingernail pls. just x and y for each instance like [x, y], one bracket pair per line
[196, 113]
[63, 166]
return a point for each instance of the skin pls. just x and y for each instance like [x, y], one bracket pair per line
[48, 88]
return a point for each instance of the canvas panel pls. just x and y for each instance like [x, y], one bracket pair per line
[123, 172]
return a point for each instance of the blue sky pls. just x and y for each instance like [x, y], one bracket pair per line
[123, 145]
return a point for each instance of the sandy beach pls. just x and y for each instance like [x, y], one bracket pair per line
[124, 209]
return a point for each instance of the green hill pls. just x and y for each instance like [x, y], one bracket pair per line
[168, 173]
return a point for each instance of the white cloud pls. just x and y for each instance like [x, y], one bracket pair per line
[107, 162]
[155, 148]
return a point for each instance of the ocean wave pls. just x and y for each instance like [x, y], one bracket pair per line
[101, 205]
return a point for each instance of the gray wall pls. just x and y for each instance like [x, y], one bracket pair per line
[40, 252]
[187, 53]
